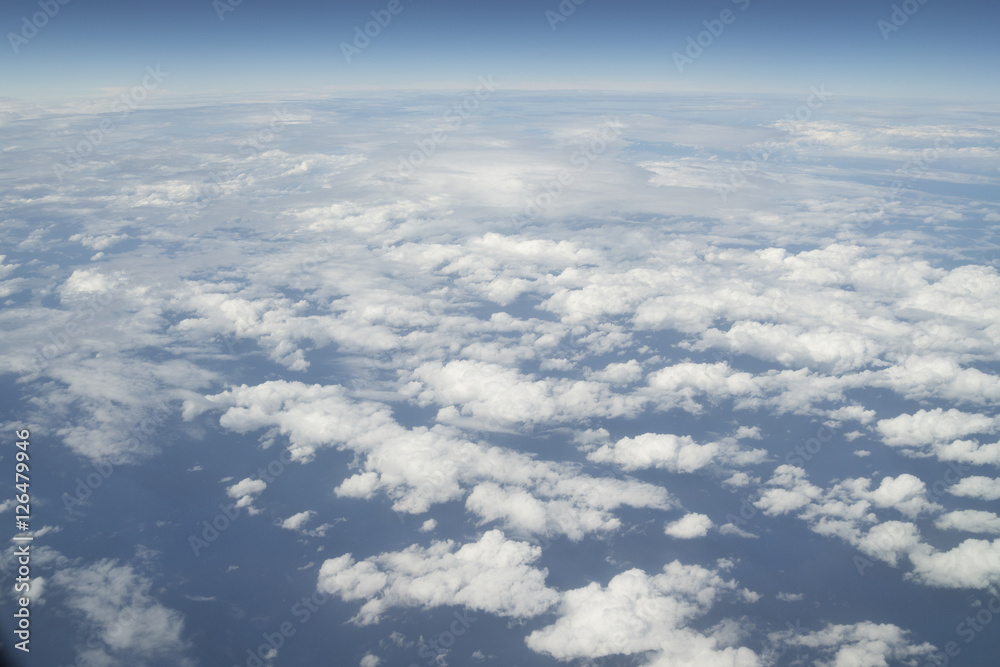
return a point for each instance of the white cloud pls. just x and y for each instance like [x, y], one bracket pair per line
[970, 521]
[420, 467]
[297, 521]
[673, 453]
[636, 613]
[131, 627]
[689, 526]
[246, 490]
[904, 493]
[933, 426]
[972, 564]
[493, 574]
[370, 660]
[977, 486]
[864, 644]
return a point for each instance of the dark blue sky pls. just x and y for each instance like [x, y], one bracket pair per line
[943, 49]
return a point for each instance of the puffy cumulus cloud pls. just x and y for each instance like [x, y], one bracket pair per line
[888, 541]
[493, 574]
[673, 453]
[297, 521]
[678, 385]
[493, 393]
[864, 644]
[846, 510]
[422, 466]
[977, 486]
[933, 426]
[970, 521]
[114, 605]
[311, 416]
[937, 431]
[572, 506]
[850, 499]
[638, 613]
[618, 373]
[798, 346]
[972, 564]
[923, 377]
[370, 660]
[905, 493]
[791, 492]
[246, 490]
[853, 413]
[689, 526]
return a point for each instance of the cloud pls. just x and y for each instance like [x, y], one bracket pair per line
[927, 427]
[864, 644]
[493, 574]
[116, 609]
[423, 466]
[972, 564]
[637, 612]
[905, 493]
[790, 597]
[673, 453]
[296, 521]
[970, 521]
[246, 490]
[977, 486]
[689, 526]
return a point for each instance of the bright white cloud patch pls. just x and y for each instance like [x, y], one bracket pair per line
[297, 521]
[246, 490]
[977, 486]
[493, 574]
[637, 612]
[971, 521]
[689, 526]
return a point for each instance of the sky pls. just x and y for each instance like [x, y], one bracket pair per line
[918, 49]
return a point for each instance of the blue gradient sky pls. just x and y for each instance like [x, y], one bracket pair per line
[945, 49]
